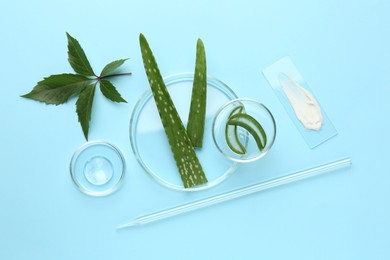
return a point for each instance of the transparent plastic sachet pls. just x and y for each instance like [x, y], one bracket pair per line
[299, 102]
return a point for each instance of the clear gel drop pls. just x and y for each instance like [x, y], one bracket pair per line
[98, 170]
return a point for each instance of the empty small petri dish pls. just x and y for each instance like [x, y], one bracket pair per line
[97, 168]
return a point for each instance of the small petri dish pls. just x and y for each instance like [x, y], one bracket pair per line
[259, 113]
[149, 142]
[97, 168]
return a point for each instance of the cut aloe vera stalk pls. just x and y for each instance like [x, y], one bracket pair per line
[197, 114]
[252, 126]
[231, 133]
[187, 162]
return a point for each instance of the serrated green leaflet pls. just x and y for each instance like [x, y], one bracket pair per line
[187, 162]
[231, 133]
[110, 92]
[84, 107]
[77, 58]
[57, 89]
[197, 114]
[252, 126]
[111, 67]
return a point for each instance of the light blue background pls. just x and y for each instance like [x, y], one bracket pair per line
[342, 49]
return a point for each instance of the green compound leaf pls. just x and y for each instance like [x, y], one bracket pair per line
[84, 107]
[197, 114]
[110, 92]
[57, 89]
[111, 67]
[77, 58]
[252, 126]
[187, 162]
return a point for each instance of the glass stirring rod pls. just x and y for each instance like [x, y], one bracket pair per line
[335, 165]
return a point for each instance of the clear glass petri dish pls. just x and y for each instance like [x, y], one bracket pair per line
[97, 168]
[149, 142]
[259, 113]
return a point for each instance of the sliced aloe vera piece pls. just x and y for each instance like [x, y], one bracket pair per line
[231, 134]
[197, 114]
[252, 126]
[187, 162]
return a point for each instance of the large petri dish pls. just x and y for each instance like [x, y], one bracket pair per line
[150, 144]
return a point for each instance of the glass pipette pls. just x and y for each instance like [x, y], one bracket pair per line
[202, 203]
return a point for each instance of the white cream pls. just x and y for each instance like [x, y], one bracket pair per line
[303, 102]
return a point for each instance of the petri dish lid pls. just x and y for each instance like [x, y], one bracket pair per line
[97, 168]
[149, 143]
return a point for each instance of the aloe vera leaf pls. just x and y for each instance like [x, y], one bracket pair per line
[231, 133]
[190, 169]
[197, 114]
[252, 126]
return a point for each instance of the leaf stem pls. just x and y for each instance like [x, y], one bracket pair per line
[113, 75]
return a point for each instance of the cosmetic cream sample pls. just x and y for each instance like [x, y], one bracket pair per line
[303, 102]
[300, 102]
